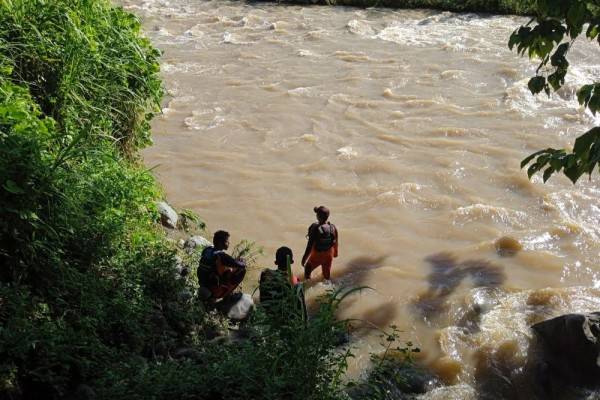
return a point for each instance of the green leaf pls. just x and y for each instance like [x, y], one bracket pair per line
[584, 93]
[576, 18]
[583, 142]
[548, 173]
[594, 103]
[556, 163]
[12, 187]
[536, 84]
[530, 157]
[557, 79]
[592, 31]
[573, 174]
[534, 168]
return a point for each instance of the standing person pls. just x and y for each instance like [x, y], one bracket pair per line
[219, 273]
[322, 245]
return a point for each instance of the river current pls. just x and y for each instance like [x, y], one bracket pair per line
[410, 126]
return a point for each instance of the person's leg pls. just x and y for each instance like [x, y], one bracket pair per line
[308, 269]
[327, 268]
[231, 280]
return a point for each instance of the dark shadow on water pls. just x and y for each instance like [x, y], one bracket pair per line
[377, 317]
[446, 275]
[353, 275]
[358, 269]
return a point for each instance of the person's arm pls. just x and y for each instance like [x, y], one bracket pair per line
[231, 262]
[337, 241]
[309, 244]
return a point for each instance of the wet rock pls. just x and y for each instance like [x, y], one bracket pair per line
[570, 349]
[194, 242]
[241, 310]
[237, 307]
[168, 216]
[507, 246]
[395, 378]
[447, 369]
[178, 264]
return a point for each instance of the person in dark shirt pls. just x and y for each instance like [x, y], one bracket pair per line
[278, 285]
[219, 273]
[322, 245]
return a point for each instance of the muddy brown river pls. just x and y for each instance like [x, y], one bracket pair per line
[409, 126]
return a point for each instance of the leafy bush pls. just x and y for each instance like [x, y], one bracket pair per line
[550, 38]
[87, 67]
[296, 360]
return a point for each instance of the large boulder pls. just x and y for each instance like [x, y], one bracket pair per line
[194, 242]
[168, 216]
[395, 379]
[237, 307]
[570, 348]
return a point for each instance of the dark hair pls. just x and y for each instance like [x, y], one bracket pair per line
[220, 237]
[281, 256]
[322, 212]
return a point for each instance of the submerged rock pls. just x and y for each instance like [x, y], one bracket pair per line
[507, 246]
[168, 216]
[570, 348]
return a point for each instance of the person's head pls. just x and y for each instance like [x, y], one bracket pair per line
[322, 214]
[281, 257]
[221, 240]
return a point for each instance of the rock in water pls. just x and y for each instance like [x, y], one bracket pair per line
[168, 216]
[196, 241]
[507, 246]
[570, 347]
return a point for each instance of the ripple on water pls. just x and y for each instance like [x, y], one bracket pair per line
[489, 213]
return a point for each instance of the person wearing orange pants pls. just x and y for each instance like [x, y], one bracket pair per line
[322, 245]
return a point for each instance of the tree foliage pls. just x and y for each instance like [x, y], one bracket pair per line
[549, 36]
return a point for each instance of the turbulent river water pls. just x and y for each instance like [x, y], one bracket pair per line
[410, 126]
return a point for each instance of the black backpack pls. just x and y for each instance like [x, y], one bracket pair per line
[325, 237]
[207, 267]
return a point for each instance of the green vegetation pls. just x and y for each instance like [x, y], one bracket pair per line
[558, 23]
[520, 7]
[90, 306]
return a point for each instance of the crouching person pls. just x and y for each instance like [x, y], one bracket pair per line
[281, 295]
[219, 274]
